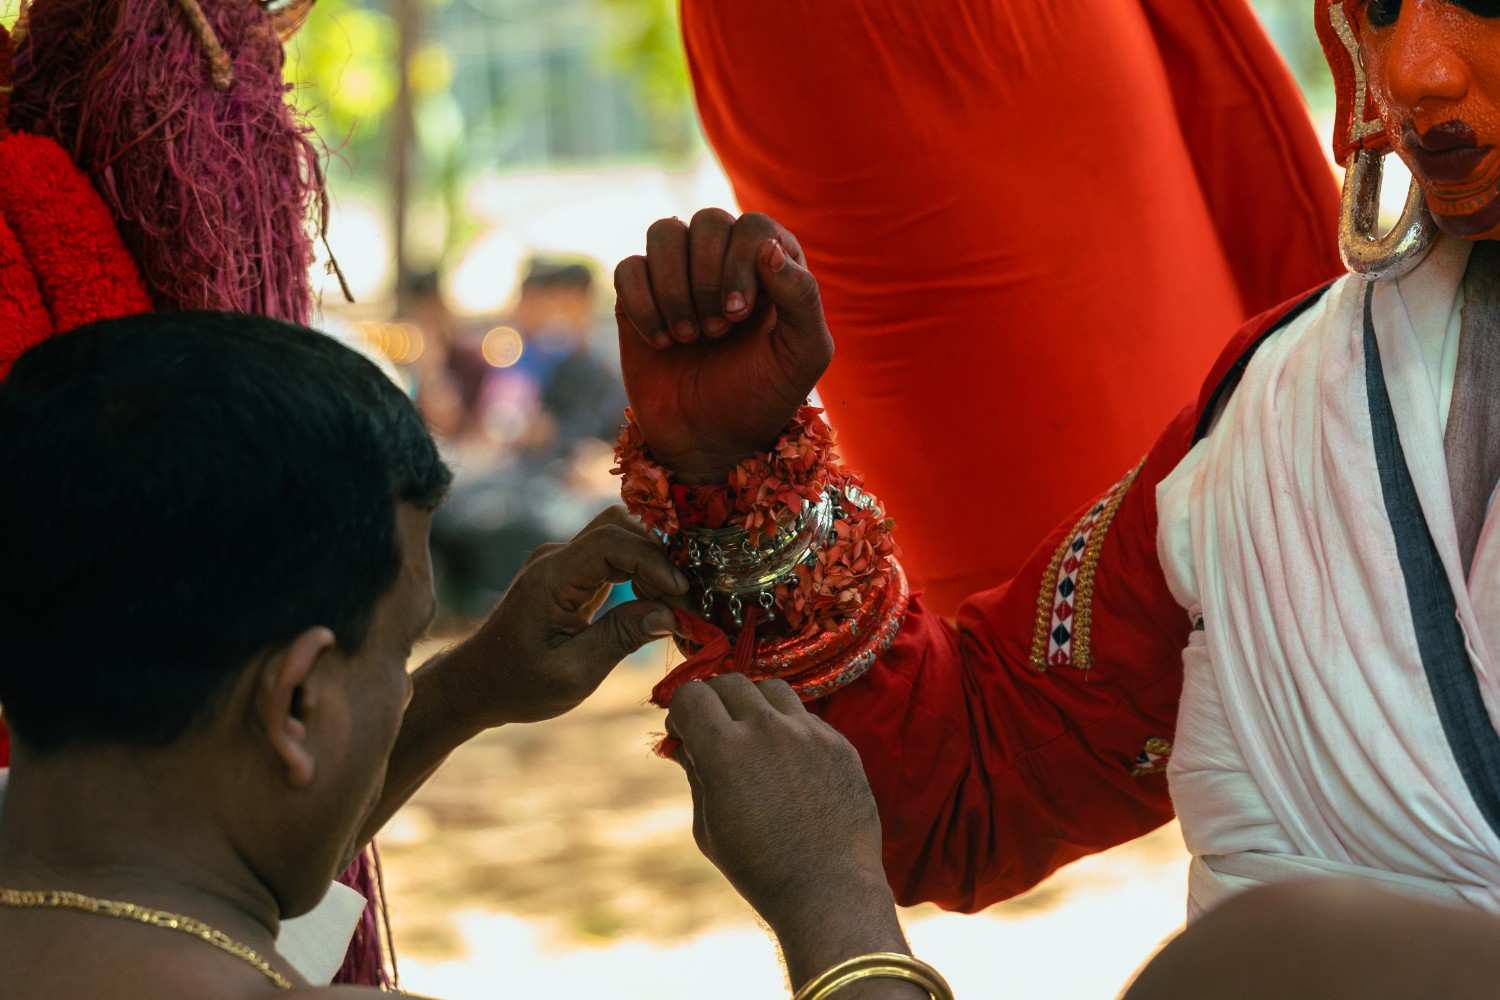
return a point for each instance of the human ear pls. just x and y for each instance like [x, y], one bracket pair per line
[285, 698]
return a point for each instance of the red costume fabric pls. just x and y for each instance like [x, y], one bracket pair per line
[1002, 748]
[1030, 222]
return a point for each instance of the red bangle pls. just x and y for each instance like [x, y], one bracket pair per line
[813, 676]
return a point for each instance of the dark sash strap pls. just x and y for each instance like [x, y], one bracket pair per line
[1471, 441]
[1440, 639]
[1230, 380]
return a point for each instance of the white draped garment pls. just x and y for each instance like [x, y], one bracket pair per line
[1310, 739]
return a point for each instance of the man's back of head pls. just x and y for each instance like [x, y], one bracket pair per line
[180, 493]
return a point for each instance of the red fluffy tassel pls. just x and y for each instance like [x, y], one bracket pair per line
[24, 320]
[66, 239]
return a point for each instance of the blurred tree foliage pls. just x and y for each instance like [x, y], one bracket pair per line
[643, 41]
[1290, 25]
[343, 71]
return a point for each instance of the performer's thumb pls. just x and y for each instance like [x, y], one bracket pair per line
[794, 291]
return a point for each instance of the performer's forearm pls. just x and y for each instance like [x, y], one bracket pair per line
[436, 724]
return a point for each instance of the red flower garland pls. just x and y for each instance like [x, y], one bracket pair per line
[765, 490]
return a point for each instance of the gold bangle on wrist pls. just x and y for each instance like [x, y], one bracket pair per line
[877, 965]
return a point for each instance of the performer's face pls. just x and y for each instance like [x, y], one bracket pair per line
[1434, 69]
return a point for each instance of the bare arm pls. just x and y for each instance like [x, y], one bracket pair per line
[781, 806]
[1328, 940]
[838, 920]
[539, 654]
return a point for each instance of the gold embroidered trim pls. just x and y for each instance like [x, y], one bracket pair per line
[1064, 608]
[1044, 600]
[1153, 759]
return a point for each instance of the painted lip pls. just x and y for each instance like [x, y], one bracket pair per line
[1448, 153]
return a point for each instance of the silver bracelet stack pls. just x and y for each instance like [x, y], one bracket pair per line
[730, 567]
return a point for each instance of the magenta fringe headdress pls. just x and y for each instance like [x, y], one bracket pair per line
[371, 960]
[213, 187]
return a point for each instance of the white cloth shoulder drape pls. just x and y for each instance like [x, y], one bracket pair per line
[1308, 740]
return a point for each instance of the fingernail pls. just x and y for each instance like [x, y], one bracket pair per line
[660, 622]
[715, 327]
[777, 258]
[684, 331]
[735, 304]
[679, 578]
[661, 340]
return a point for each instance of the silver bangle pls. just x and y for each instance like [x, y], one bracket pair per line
[730, 566]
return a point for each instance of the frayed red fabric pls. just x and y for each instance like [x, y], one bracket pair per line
[65, 254]
[24, 320]
[714, 653]
[211, 190]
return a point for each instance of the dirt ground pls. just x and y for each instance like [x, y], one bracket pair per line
[567, 846]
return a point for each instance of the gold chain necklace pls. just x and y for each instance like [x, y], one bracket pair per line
[54, 899]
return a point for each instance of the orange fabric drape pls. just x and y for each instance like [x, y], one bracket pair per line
[1035, 223]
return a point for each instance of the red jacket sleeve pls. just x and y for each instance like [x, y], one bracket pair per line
[999, 753]
[1036, 730]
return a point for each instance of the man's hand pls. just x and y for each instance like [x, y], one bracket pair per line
[780, 801]
[541, 652]
[782, 807]
[722, 337]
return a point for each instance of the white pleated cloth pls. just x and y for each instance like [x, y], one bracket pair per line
[1308, 740]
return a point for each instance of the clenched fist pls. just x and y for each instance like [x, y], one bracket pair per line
[722, 337]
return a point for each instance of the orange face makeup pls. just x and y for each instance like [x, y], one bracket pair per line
[1434, 71]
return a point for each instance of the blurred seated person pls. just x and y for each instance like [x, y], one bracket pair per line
[216, 568]
[537, 456]
[449, 372]
[573, 374]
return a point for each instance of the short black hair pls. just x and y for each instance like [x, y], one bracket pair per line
[423, 285]
[179, 494]
[542, 273]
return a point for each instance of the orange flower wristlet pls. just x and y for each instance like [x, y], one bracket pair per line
[792, 560]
